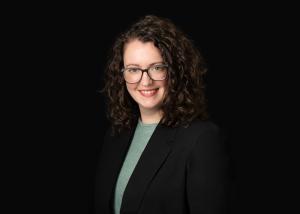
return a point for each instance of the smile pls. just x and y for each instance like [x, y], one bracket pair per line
[148, 93]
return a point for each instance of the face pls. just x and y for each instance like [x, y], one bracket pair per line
[147, 93]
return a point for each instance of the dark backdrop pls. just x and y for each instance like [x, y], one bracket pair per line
[215, 40]
[62, 51]
[243, 94]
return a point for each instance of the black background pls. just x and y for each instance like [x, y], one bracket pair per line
[59, 53]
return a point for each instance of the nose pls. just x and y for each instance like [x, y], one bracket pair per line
[146, 80]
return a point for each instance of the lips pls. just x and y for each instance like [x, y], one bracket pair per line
[148, 93]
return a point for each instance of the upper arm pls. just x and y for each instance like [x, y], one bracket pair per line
[208, 173]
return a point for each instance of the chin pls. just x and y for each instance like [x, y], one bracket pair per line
[148, 106]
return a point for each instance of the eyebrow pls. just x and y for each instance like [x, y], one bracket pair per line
[137, 65]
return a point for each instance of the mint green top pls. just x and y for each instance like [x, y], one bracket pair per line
[142, 134]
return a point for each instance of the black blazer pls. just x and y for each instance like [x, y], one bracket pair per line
[181, 171]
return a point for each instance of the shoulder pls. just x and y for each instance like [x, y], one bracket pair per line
[202, 136]
[209, 142]
[199, 128]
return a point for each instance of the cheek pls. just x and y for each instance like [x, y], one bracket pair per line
[164, 85]
[131, 87]
[165, 89]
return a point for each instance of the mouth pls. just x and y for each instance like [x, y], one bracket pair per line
[149, 93]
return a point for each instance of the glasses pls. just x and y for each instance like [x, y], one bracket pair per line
[155, 72]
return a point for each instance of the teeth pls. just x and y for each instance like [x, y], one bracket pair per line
[148, 92]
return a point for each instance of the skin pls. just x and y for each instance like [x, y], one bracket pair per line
[147, 93]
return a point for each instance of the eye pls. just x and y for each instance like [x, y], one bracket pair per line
[132, 70]
[159, 68]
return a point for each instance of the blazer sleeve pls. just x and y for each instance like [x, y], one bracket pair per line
[208, 174]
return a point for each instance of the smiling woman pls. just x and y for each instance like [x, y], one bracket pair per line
[162, 154]
[146, 92]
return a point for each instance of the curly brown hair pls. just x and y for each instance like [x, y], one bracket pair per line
[185, 98]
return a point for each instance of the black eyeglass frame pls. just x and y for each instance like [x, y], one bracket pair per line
[147, 71]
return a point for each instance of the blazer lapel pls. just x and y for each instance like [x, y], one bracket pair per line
[154, 155]
[114, 155]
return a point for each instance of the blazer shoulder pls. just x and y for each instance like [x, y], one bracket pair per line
[209, 140]
[108, 137]
[199, 127]
[198, 132]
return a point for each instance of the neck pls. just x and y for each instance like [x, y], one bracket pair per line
[149, 117]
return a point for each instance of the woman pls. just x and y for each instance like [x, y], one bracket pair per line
[161, 155]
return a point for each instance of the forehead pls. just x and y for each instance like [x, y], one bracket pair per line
[141, 53]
